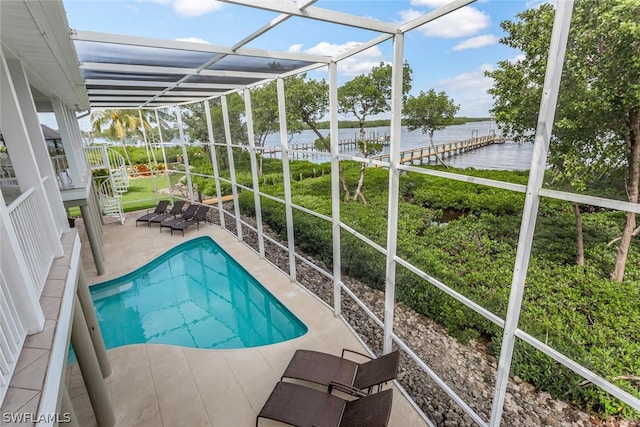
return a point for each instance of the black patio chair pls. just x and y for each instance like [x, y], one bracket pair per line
[197, 218]
[187, 214]
[301, 406]
[324, 368]
[160, 209]
[173, 213]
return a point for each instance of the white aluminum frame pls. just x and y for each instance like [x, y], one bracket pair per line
[166, 92]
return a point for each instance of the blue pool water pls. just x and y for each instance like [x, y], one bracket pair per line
[195, 295]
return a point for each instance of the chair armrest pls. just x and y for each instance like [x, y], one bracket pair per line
[355, 352]
[334, 385]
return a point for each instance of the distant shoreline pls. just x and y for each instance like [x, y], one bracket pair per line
[354, 124]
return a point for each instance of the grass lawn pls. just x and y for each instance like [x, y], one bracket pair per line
[140, 194]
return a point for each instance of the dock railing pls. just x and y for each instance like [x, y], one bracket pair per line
[428, 152]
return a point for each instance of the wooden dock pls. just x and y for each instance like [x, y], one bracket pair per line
[309, 147]
[414, 155]
[446, 149]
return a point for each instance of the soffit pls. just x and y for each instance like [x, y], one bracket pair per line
[37, 33]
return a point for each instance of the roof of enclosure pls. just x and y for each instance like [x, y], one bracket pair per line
[123, 71]
[130, 72]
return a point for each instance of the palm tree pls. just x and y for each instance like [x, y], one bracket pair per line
[117, 124]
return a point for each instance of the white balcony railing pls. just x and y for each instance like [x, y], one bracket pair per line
[12, 336]
[96, 157]
[25, 213]
[61, 169]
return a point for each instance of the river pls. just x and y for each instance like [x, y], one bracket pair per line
[507, 156]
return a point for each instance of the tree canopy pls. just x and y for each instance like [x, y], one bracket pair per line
[194, 120]
[118, 125]
[429, 112]
[367, 95]
[598, 115]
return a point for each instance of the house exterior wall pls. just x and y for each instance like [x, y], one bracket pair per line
[39, 269]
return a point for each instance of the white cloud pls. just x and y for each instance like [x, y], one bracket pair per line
[460, 23]
[331, 49]
[517, 58]
[195, 7]
[191, 8]
[295, 48]
[360, 63]
[477, 42]
[430, 3]
[193, 40]
[469, 90]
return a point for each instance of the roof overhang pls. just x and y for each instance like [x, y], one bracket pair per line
[145, 72]
[37, 34]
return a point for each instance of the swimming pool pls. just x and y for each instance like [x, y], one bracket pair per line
[194, 295]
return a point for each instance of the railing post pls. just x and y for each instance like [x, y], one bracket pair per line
[187, 170]
[394, 187]
[90, 368]
[546, 115]
[284, 143]
[89, 311]
[63, 119]
[335, 188]
[254, 170]
[94, 240]
[17, 106]
[232, 167]
[214, 161]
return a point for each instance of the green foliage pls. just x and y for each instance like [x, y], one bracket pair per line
[307, 100]
[577, 310]
[429, 112]
[440, 193]
[193, 117]
[370, 94]
[597, 119]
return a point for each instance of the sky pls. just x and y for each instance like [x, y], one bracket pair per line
[449, 55]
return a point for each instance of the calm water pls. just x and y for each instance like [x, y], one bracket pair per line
[195, 295]
[507, 156]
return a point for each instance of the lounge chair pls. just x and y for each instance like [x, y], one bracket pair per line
[197, 218]
[301, 406]
[191, 210]
[161, 208]
[175, 210]
[324, 368]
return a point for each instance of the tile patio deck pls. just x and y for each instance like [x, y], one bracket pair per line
[162, 385]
